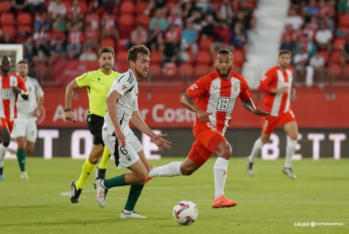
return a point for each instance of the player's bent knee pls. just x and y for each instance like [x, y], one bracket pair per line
[187, 171]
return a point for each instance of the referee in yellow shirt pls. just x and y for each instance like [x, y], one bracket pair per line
[98, 84]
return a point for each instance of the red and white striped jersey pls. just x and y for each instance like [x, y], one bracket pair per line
[275, 78]
[217, 96]
[8, 98]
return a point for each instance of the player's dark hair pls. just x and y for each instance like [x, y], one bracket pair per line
[224, 51]
[135, 50]
[281, 52]
[106, 49]
[22, 62]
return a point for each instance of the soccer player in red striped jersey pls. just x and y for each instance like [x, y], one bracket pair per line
[10, 85]
[217, 93]
[277, 86]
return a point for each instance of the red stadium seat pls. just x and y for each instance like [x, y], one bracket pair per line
[126, 20]
[334, 70]
[205, 43]
[10, 30]
[121, 56]
[346, 71]
[83, 7]
[155, 71]
[186, 70]
[343, 21]
[25, 29]
[24, 19]
[7, 19]
[108, 42]
[122, 66]
[238, 57]
[343, 30]
[336, 57]
[204, 57]
[339, 42]
[140, 7]
[200, 71]
[143, 19]
[170, 70]
[155, 57]
[127, 7]
[5, 7]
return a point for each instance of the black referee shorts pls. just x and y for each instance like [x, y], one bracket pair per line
[95, 124]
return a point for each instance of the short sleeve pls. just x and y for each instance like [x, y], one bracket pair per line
[244, 90]
[38, 91]
[21, 84]
[83, 80]
[198, 88]
[269, 76]
[123, 84]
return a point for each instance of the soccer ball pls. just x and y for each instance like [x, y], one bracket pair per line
[185, 212]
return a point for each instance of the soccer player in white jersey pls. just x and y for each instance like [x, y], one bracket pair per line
[25, 129]
[122, 106]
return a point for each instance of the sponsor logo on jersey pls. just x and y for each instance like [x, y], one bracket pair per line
[194, 86]
[124, 87]
[236, 86]
[215, 86]
[211, 126]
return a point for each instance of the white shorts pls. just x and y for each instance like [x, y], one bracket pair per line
[124, 157]
[26, 128]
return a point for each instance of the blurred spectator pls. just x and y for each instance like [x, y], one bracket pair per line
[6, 39]
[56, 8]
[91, 37]
[311, 10]
[155, 38]
[109, 27]
[323, 38]
[345, 53]
[28, 47]
[139, 35]
[308, 31]
[75, 8]
[74, 19]
[306, 45]
[291, 33]
[187, 8]
[207, 26]
[36, 6]
[314, 23]
[288, 44]
[19, 5]
[75, 40]
[239, 37]
[59, 25]
[342, 6]
[41, 21]
[196, 19]
[327, 20]
[300, 60]
[40, 50]
[248, 14]
[225, 12]
[189, 39]
[175, 17]
[325, 8]
[295, 20]
[41, 35]
[155, 4]
[317, 62]
[204, 6]
[58, 50]
[158, 19]
[222, 37]
[93, 20]
[88, 54]
[170, 48]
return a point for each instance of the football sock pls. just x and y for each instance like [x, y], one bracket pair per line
[21, 159]
[115, 182]
[255, 150]
[220, 176]
[290, 149]
[87, 168]
[169, 170]
[105, 159]
[135, 192]
[2, 154]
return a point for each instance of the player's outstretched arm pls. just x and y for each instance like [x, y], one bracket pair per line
[138, 121]
[69, 93]
[112, 111]
[188, 103]
[16, 90]
[249, 105]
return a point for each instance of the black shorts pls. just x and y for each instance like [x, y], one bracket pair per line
[95, 124]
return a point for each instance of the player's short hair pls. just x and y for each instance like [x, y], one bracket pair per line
[281, 52]
[22, 62]
[106, 49]
[224, 51]
[135, 50]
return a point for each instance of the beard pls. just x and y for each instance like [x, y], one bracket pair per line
[222, 75]
[140, 73]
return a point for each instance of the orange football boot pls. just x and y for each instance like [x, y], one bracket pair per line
[149, 178]
[223, 202]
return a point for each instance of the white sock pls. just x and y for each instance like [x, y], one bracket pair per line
[220, 176]
[127, 211]
[290, 149]
[2, 154]
[169, 170]
[256, 150]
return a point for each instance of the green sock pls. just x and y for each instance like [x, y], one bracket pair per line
[115, 182]
[135, 192]
[21, 159]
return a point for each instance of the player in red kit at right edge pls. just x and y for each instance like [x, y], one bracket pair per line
[10, 85]
[276, 85]
[217, 93]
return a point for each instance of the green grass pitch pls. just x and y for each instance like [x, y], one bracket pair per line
[267, 203]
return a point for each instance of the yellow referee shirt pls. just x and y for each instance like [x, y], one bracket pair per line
[98, 85]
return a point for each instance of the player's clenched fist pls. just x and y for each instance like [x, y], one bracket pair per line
[203, 115]
[69, 116]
